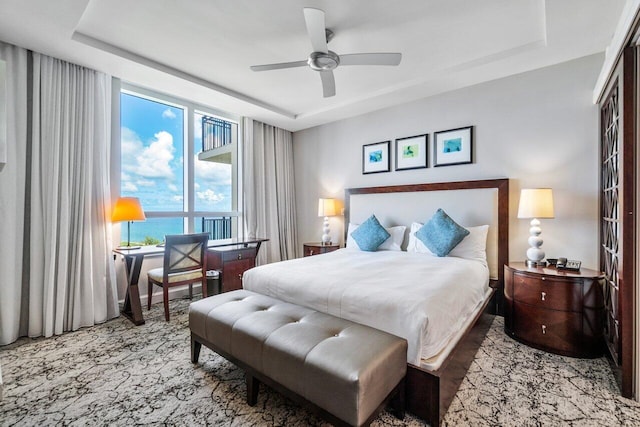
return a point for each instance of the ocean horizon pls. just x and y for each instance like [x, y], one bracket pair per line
[156, 228]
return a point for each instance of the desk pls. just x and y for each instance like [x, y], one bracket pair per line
[133, 262]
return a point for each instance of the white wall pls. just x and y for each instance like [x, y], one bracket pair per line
[540, 129]
[3, 114]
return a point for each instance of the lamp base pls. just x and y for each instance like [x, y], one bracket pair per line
[326, 237]
[127, 248]
[535, 264]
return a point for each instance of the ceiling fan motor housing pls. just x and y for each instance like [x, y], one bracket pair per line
[321, 61]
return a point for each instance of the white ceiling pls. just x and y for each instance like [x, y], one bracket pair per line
[202, 49]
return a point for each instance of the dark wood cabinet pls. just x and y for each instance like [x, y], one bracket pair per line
[232, 262]
[316, 248]
[557, 311]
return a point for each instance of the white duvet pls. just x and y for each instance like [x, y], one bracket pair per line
[420, 297]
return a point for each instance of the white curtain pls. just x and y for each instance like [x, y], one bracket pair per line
[67, 277]
[12, 195]
[269, 191]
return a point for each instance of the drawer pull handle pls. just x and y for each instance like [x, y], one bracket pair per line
[544, 278]
[311, 252]
[544, 294]
[239, 256]
[240, 276]
[544, 329]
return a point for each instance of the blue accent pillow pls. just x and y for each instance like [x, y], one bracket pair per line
[441, 234]
[370, 234]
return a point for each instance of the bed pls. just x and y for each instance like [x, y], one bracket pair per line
[442, 306]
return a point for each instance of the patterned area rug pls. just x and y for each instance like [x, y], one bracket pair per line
[120, 374]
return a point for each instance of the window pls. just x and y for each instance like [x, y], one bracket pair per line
[184, 185]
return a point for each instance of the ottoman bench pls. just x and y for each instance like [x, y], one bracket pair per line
[341, 370]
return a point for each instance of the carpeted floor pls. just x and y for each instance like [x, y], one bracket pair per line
[120, 374]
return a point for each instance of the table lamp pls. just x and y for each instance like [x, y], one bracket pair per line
[535, 203]
[128, 209]
[326, 208]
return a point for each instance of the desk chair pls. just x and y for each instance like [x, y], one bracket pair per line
[185, 262]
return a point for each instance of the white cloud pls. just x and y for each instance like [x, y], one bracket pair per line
[214, 173]
[172, 187]
[177, 198]
[145, 183]
[154, 160]
[168, 114]
[130, 143]
[129, 186]
[210, 196]
[196, 185]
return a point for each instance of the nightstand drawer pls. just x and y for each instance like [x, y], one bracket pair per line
[550, 329]
[545, 292]
[238, 254]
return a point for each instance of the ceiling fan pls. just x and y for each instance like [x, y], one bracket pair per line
[325, 61]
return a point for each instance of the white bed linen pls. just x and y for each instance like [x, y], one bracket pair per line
[421, 298]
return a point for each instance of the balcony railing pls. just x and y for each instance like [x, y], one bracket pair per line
[215, 133]
[218, 228]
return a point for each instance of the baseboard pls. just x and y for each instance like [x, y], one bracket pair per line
[174, 293]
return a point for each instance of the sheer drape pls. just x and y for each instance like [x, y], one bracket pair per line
[269, 191]
[12, 195]
[67, 279]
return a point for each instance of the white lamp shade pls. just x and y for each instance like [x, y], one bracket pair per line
[536, 203]
[326, 207]
[127, 209]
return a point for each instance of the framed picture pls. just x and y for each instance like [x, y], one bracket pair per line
[411, 152]
[375, 157]
[453, 147]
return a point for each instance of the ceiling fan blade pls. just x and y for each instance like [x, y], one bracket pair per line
[371, 59]
[268, 67]
[316, 29]
[328, 83]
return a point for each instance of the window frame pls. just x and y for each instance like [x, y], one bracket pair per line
[188, 212]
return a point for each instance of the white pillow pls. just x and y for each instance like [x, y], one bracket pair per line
[393, 243]
[415, 245]
[473, 246]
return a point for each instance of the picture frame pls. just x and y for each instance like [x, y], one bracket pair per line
[375, 157]
[453, 147]
[411, 152]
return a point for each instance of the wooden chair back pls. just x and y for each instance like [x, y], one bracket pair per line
[185, 252]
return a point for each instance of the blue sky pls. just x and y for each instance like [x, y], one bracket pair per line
[152, 150]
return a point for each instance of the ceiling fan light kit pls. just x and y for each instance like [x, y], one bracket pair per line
[321, 61]
[325, 61]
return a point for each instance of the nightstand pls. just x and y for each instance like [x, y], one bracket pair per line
[232, 261]
[557, 311]
[317, 248]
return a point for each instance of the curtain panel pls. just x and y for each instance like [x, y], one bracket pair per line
[269, 190]
[65, 277]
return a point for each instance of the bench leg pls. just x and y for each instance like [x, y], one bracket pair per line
[398, 402]
[253, 385]
[195, 350]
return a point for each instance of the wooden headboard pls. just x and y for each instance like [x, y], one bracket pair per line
[400, 209]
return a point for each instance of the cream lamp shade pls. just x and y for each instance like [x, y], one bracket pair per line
[326, 208]
[128, 209]
[535, 203]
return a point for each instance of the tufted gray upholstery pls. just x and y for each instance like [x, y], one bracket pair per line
[345, 368]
